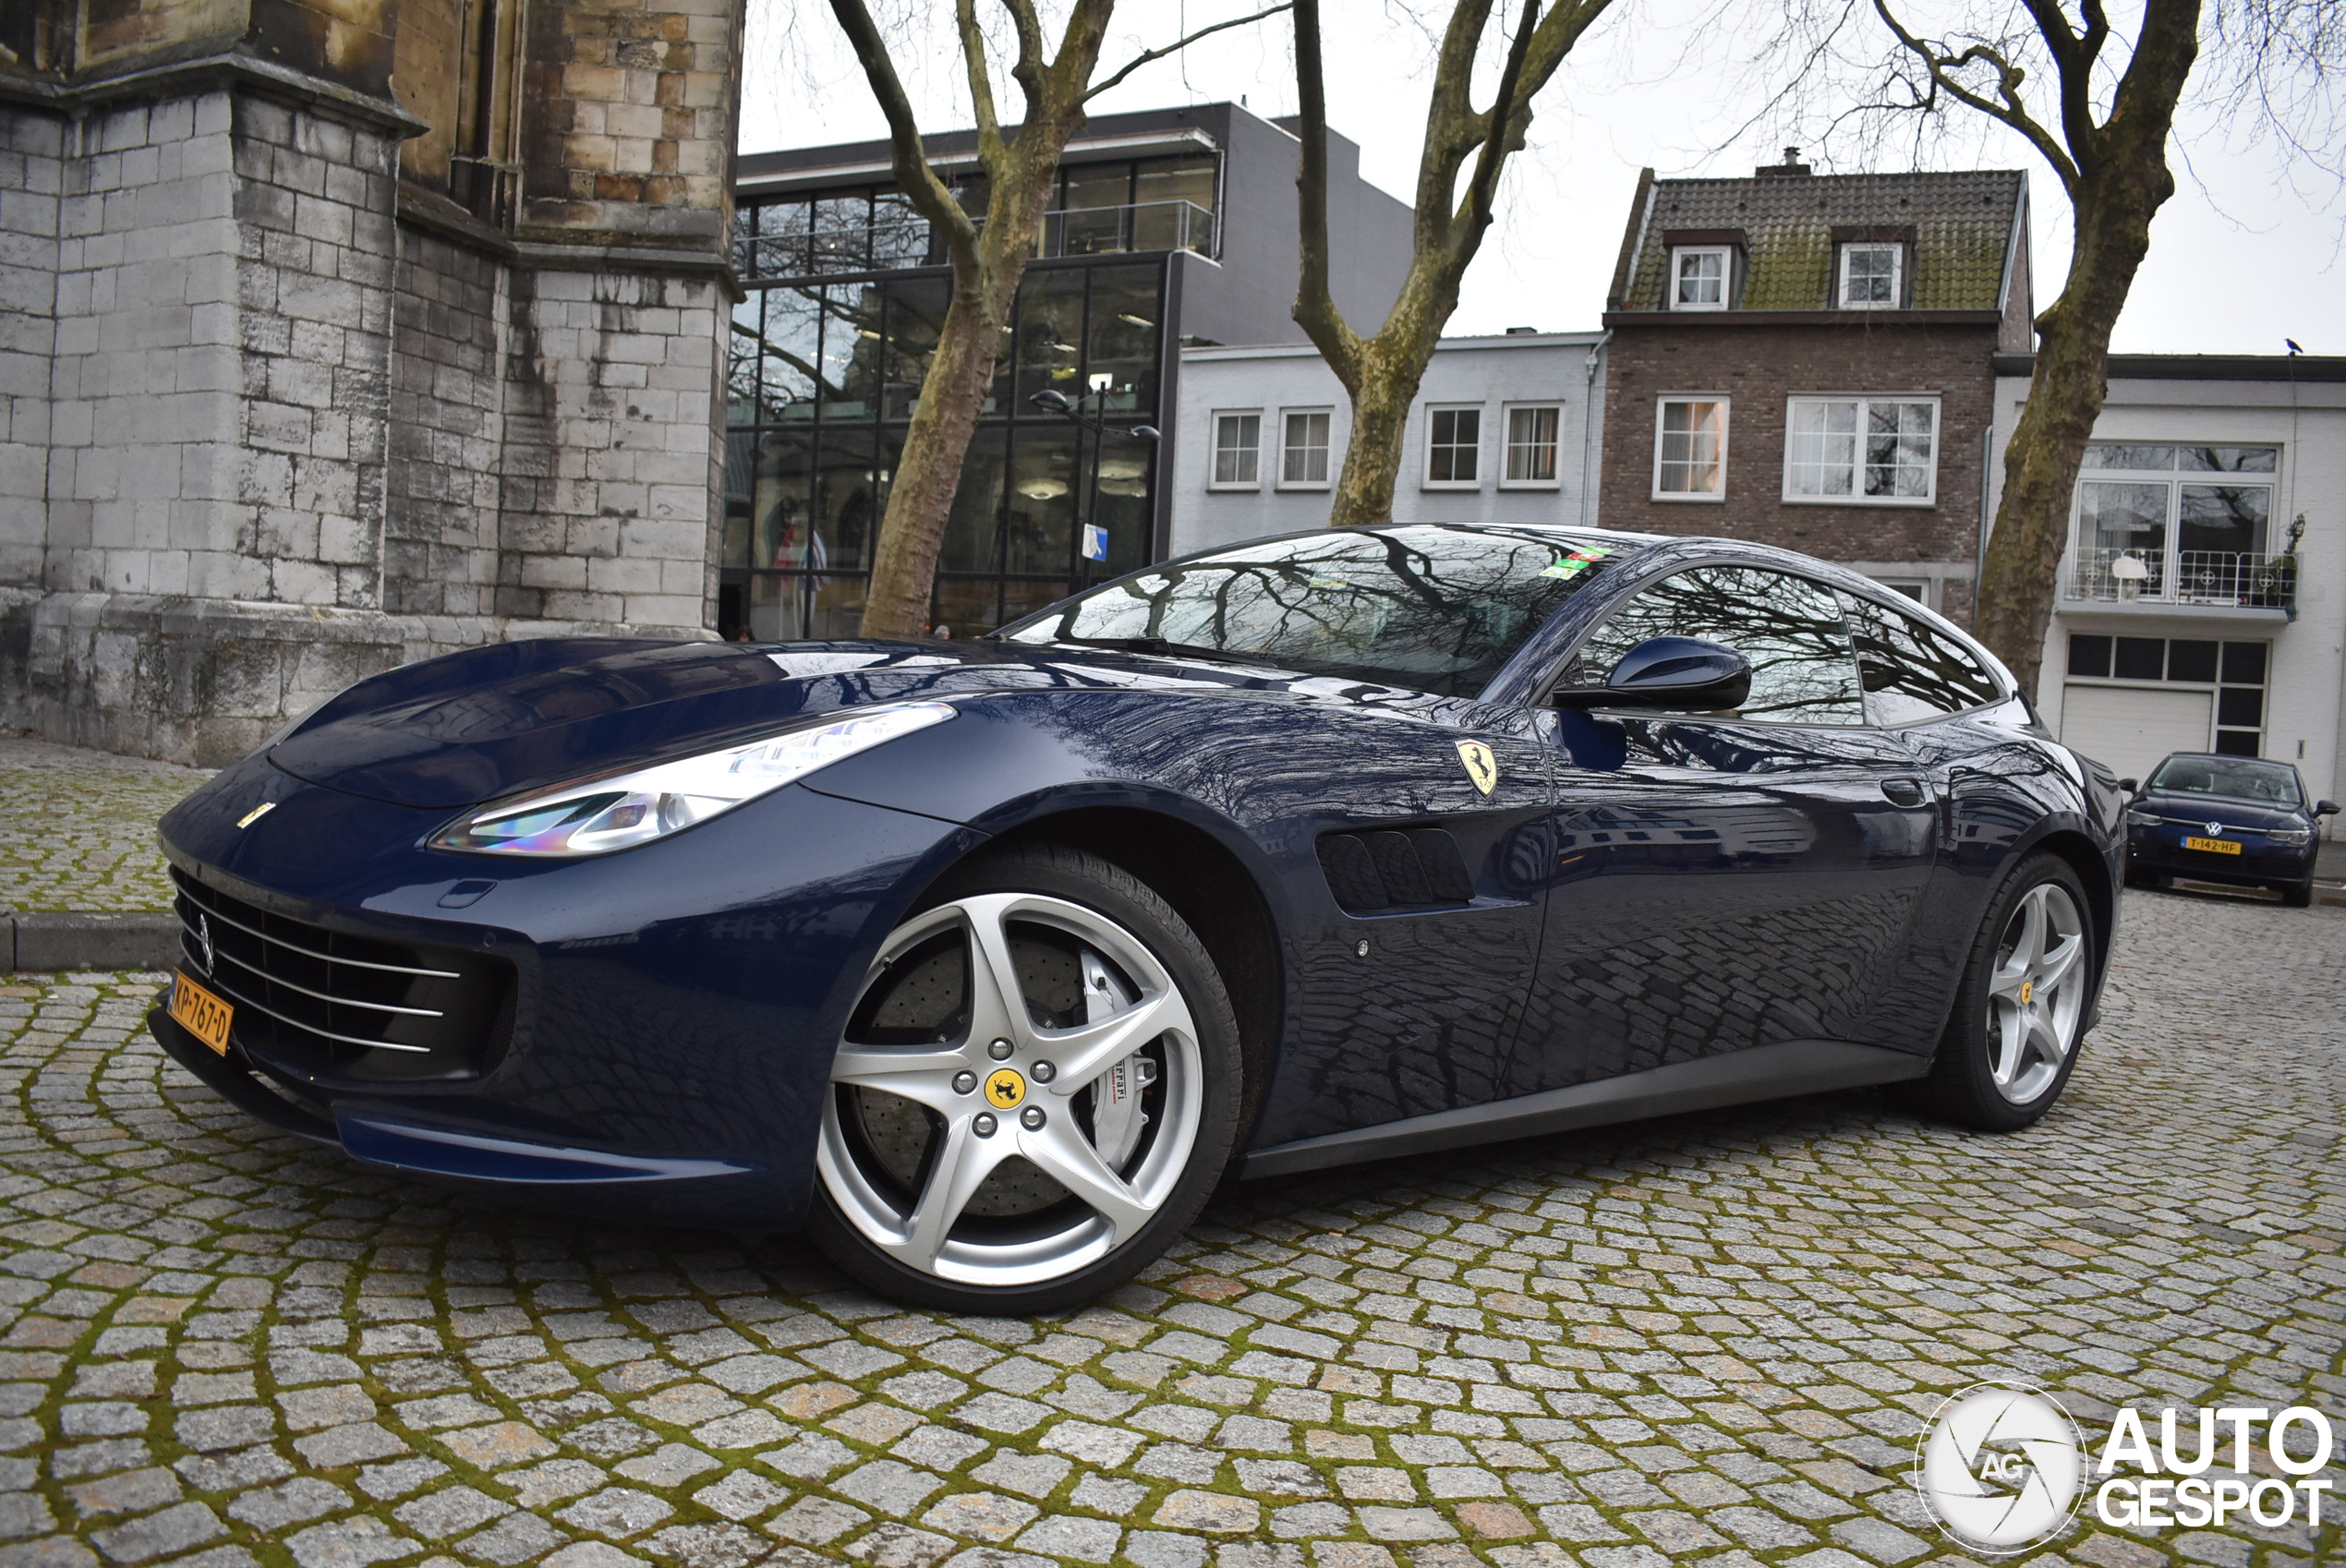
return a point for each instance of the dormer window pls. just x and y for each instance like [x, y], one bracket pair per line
[1870, 275]
[1699, 277]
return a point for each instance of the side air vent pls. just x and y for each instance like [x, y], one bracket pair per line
[1397, 869]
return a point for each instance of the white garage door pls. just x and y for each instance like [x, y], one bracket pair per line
[2130, 728]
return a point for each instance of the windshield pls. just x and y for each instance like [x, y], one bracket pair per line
[2232, 779]
[1430, 607]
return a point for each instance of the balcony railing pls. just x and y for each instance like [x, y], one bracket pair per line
[2229, 579]
[904, 240]
[1146, 225]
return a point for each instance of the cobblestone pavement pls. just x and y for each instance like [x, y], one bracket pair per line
[77, 828]
[1708, 1339]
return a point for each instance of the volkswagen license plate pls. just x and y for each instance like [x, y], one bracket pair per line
[2213, 846]
[200, 1012]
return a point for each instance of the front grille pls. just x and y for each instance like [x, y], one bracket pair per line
[322, 1005]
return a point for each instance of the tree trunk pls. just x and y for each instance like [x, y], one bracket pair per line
[920, 503]
[1381, 374]
[920, 499]
[2020, 580]
[2117, 179]
[1373, 454]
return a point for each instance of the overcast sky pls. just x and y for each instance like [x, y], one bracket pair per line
[2246, 254]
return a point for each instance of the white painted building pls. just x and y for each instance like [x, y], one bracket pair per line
[2203, 599]
[1500, 432]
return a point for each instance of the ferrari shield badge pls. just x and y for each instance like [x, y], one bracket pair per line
[1480, 766]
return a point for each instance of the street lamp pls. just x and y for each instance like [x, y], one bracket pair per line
[1051, 401]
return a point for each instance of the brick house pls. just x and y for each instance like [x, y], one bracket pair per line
[1806, 360]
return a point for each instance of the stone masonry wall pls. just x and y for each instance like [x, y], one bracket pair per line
[631, 121]
[447, 412]
[612, 435]
[147, 412]
[314, 203]
[1759, 368]
[222, 358]
[31, 147]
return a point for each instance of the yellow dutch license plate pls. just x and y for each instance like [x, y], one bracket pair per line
[2213, 846]
[200, 1012]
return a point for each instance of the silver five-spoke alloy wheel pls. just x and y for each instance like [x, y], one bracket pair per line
[1018, 1094]
[2036, 993]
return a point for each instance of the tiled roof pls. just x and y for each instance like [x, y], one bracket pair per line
[1962, 226]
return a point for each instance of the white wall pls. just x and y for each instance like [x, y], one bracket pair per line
[1491, 373]
[2303, 688]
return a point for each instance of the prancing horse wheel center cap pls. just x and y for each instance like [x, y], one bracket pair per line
[2027, 991]
[1004, 1088]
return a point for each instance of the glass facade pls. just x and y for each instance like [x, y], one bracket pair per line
[827, 360]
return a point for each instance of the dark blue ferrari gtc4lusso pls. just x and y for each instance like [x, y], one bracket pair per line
[985, 961]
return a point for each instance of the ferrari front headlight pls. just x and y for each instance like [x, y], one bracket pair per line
[594, 816]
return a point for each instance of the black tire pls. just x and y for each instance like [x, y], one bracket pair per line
[2296, 894]
[1961, 1087]
[1059, 872]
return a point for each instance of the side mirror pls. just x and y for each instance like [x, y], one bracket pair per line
[2325, 808]
[2128, 786]
[1681, 673]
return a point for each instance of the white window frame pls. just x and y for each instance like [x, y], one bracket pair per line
[1727, 438]
[1328, 463]
[2174, 480]
[1857, 496]
[1213, 480]
[1919, 589]
[1508, 411]
[1849, 248]
[1680, 254]
[1425, 469]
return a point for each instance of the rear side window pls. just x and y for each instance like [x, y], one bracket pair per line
[1791, 629]
[1910, 670]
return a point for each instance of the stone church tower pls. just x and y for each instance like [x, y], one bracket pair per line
[337, 334]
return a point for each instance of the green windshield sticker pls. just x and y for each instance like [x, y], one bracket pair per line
[1578, 561]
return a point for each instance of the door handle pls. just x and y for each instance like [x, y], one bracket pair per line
[1903, 791]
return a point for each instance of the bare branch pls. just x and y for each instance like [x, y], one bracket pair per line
[2007, 107]
[981, 80]
[1315, 308]
[1179, 44]
[1452, 128]
[1027, 70]
[1474, 213]
[908, 158]
[2073, 56]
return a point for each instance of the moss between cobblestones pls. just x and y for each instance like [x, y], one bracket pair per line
[1704, 1340]
[77, 828]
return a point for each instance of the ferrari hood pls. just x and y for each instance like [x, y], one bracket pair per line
[486, 723]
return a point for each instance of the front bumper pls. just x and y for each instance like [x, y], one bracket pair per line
[665, 1046]
[2259, 863]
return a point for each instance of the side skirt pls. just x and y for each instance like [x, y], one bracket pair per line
[1763, 1073]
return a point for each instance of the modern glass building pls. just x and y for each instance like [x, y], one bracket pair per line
[1165, 227]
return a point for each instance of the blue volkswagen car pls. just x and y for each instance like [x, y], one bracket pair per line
[985, 961]
[2243, 822]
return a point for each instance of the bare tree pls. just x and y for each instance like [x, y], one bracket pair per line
[989, 254]
[1381, 373]
[2099, 104]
